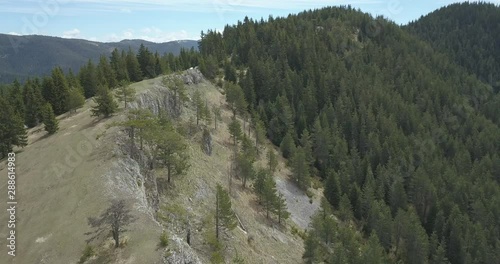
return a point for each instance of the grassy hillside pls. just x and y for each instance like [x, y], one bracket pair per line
[28, 56]
[62, 180]
[69, 176]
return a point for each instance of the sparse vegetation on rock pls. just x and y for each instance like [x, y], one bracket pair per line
[167, 147]
[164, 240]
[125, 93]
[177, 86]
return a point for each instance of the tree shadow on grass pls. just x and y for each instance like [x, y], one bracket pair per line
[94, 122]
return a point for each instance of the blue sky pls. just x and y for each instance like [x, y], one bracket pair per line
[159, 21]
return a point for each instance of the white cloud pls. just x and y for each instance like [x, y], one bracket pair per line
[14, 33]
[128, 34]
[152, 34]
[151, 30]
[111, 38]
[73, 33]
[166, 36]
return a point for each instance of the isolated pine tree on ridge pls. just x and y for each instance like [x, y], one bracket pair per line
[106, 104]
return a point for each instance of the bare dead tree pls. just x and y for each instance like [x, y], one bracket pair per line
[114, 219]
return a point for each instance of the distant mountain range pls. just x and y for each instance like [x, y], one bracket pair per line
[34, 55]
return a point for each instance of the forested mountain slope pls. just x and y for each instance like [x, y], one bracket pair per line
[395, 129]
[469, 33]
[28, 56]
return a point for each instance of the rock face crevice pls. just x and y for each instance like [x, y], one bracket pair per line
[146, 178]
[157, 99]
[142, 182]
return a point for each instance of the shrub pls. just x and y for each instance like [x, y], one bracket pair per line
[238, 259]
[88, 252]
[217, 257]
[164, 239]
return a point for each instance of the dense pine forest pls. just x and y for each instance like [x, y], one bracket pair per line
[398, 133]
[479, 51]
[399, 125]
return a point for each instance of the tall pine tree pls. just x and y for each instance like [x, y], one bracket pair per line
[49, 119]
[59, 101]
[133, 67]
[33, 101]
[225, 218]
[300, 169]
[105, 103]
[125, 93]
[88, 79]
[12, 132]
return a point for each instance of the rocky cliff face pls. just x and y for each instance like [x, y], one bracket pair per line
[161, 98]
[157, 99]
[181, 253]
[190, 198]
[135, 176]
